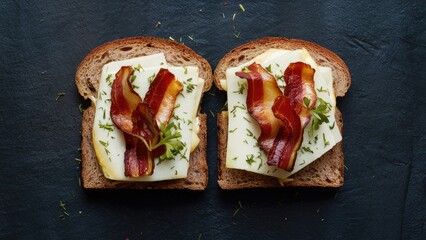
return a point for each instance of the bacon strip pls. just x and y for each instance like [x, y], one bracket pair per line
[140, 120]
[124, 100]
[281, 118]
[161, 96]
[299, 78]
[289, 138]
[261, 93]
[138, 160]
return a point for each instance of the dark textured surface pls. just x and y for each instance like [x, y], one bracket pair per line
[384, 195]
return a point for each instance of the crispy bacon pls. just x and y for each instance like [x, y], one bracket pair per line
[124, 100]
[132, 116]
[289, 138]
[161, 96]
[262, 92]
[138, 160]
[299, 78]
[140, 120]
[281, 118]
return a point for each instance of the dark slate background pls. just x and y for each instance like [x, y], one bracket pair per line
[384, 195]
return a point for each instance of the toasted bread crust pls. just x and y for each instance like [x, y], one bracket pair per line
[328, 170]
[87, 79]
[90, 69]
[323, 56]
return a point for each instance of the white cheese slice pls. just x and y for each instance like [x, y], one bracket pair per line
[110, 146]
[243, 151]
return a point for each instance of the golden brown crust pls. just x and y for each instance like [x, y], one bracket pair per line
[87, 80]
[90, 69]
[322, 56]
[327, 171]
[93, 178]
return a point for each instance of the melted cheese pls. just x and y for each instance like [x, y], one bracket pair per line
[110, 145]
[243, 151]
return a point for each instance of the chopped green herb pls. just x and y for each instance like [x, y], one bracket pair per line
[171, 39]
[268, 68]
[332, 126]
[211, 113]
[241, 88]
[307, 149]
[234, 158]
[77, 159]
[176, 117]
[233, 16]
[138, 68]
[157, 24]
[234, 109]
[190, 87]
[302, 163]
[233, 130]
[247, 119]
[105, 144]
[279, 77]
[185, 70]
[326, 143]
[242, 7]
[108, 80]
[176, 106]
[245, 69]
[80, 107]
[250, 159]
[245, 141]
[223, 15]
[237, 34]
[249, 133]
[59, 95]
[107, 126]
[191, 38]
[62, 205]
[151, 78]
[236, 211]
[322, 90]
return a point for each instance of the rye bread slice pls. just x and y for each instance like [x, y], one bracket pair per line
[328, 170]
[87, 79]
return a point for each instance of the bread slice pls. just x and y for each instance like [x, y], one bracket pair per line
[87, 79]
[328, 170]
